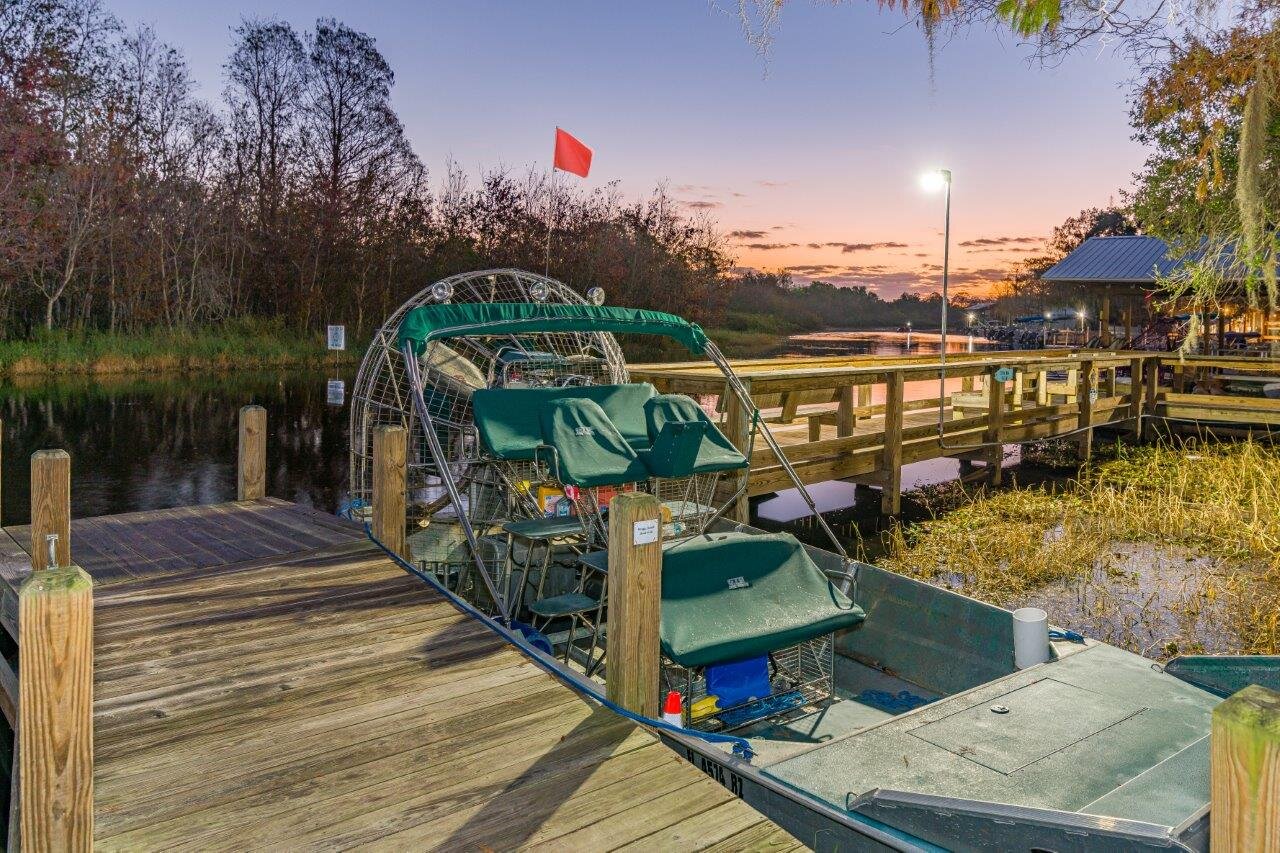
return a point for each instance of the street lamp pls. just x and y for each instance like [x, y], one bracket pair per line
[1048, 316]
[940, 179]
[1080, 314]
[908, 336]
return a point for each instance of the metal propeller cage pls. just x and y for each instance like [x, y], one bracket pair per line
[452, 370]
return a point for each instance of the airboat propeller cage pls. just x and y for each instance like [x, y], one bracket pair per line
[429, 357]
[428, 323]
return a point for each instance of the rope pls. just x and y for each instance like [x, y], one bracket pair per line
[741, 746]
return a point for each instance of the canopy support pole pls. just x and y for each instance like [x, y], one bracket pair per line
[446, 477]
[735, 384]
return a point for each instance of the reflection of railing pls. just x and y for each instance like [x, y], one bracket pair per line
[821, 409]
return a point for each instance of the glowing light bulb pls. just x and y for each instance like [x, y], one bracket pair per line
[935, 179]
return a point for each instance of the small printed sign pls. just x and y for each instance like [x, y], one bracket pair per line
[1004, 374]
[738, 583]
[337, 336]
[335, 392]
[1093, 395]
[645, 532]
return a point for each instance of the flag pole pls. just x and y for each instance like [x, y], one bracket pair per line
[551, 218]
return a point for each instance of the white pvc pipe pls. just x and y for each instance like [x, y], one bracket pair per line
[1030, 637]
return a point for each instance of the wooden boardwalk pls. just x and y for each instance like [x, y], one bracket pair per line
[265, 678]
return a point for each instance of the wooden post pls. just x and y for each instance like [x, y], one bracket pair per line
[1104, 319]
[845, 417]
[1136, 366]
[1084, 397]
[55, 675]
[1244, 771]
[390, 449]
[1108, 380]
[995, 426]
[815, 427]
[1151, 384]
[251, 469]
[891, 461]
[635, 596]
[738, 427]
[1042, 388]
[50, 507]
[864, 399]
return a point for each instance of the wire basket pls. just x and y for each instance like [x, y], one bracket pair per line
[805, 669]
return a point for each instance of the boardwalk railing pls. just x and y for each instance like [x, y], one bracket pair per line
[1001, 399]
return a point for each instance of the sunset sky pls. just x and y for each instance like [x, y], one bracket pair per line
[810, 160]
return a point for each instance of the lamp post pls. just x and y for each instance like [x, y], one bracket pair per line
[908, 336]
[940, 179]
[1080, 314]
[1048, 315]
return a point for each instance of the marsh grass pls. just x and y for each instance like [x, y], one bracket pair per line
[1165, 549]
[235, 344]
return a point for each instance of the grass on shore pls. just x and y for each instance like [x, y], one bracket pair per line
[237, 344]
[1165, 549]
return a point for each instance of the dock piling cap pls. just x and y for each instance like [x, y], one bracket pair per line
[671, 708]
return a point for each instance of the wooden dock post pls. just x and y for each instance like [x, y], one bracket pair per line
[1136, 366]
[891, 462]
[390, 451]
[55, 675]
[846, 419]
[50, 508]
[1084, 398]
[995, 426]
[635, 594]
[1244, 771]
[251, 465]
[738, 429]
[1151, 387]
[1042, 388]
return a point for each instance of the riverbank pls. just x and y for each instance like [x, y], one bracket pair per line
[1164, 550]
[235, 345]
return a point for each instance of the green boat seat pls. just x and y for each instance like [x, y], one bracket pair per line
[544, 528]
[730, 596]
[509, 424]
[564, 605]
[589, 450]
[685, 440]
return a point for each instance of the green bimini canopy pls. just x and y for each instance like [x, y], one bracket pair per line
[428, 323]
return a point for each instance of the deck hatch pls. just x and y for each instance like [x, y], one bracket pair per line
[1043, 718]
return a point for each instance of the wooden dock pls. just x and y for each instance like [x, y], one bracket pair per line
[861, 418]
[264, 677]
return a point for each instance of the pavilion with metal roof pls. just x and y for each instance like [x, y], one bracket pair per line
[1127, 266]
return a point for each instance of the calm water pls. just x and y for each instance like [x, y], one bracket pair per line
[888, 343]
[148, 442]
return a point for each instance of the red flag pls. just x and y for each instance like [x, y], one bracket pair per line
[572, 155]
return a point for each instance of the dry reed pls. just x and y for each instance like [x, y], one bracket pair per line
[1164, 549]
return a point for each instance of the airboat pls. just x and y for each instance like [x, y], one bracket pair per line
[855, 707]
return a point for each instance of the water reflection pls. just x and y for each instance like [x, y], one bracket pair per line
[154, 442]
[887, 343]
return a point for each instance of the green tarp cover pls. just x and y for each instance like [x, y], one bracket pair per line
[510, 427]
[589, 450]
[685, 440]
[786, 598]
[438, 322]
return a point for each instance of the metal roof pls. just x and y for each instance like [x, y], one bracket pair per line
[1119, 260]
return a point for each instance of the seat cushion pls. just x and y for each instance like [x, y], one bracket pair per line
[589, 450]
[685, 448]
[685, 440]
[507, 419]
[730, 596]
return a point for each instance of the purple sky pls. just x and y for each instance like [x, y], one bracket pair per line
[812, 159]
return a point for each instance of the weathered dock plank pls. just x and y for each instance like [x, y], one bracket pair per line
[265, 678]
